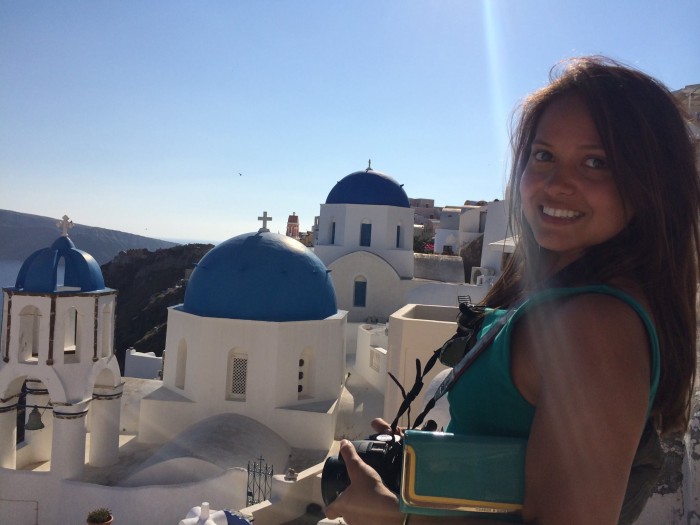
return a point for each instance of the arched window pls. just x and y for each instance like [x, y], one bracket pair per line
[366, 233]
[60, 273]
[29, 334]
[71, 337]
[359, 297]
[237, 375]
[181, 365]
[107, 336]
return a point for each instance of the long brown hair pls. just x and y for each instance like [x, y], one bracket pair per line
[652, 157]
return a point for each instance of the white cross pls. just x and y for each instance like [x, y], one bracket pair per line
[65, 225]
[264, 220]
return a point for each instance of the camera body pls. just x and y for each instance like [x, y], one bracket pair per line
[382, 452]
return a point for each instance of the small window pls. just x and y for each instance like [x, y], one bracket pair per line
[365, 234]
[333, 232]
[398, 236]
[375, 359]
[360, 292]
[305, 384]
[238, 377]
[181, 366]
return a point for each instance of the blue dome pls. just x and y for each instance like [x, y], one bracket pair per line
[261, 277]
[39, 273]
[368, 187]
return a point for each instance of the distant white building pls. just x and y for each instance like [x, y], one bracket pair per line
[491, 222]
[447, 234]
[365, 237]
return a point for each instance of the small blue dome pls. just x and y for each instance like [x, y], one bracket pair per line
[368, 187]
[261, 276]
[39, 273]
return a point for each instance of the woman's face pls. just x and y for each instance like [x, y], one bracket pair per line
[569, 197]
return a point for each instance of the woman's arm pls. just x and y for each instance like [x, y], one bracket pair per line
[584, 364]
[590, 358]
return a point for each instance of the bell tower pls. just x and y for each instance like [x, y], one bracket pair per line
[56, 348]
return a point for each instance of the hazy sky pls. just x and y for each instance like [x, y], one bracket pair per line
[139, 115]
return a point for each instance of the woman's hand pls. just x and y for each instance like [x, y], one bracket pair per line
[366, 501]
[382, 427]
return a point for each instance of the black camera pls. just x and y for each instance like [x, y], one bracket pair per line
[382, 452]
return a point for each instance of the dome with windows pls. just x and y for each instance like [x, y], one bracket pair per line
[368, 187]
[41, 271]
[261, 276]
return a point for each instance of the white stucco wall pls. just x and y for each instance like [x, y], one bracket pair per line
[445, 237]
[443, 268]
[470, 219]
[142, 365]
[273, 352]
[496, 230]
[415, 332]
[66, 377]
[384, 220]
[372, 344]
[386, 290]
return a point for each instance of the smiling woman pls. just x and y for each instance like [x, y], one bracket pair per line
[570, 198]
[596, 353]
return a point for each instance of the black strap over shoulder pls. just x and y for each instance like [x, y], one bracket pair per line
[469, 321]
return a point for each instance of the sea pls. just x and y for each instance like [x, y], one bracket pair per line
[8, 275]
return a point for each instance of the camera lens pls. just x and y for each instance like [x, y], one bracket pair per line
[334, 479]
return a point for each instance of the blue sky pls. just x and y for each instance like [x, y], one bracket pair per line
[139, 115]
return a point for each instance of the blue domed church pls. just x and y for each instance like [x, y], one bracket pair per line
[259, 334]
[365, 237]
[58, 357]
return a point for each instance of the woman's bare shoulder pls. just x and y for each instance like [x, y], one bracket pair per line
[594, 330]
[591, 355]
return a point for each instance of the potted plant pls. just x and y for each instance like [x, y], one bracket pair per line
[101, 516]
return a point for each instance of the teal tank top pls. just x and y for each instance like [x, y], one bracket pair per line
[484, 401]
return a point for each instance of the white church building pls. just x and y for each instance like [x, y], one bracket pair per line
[259, 335]
[365, 237]
[57, 353]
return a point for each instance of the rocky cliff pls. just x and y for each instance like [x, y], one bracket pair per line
[148, 283]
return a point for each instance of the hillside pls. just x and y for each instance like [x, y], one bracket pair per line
[21, 234]
[148, 283]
